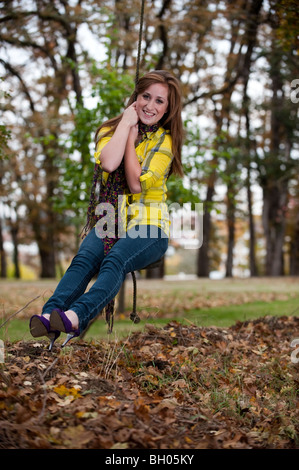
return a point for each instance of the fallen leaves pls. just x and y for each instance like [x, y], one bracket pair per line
[67, 392]
[178, 387]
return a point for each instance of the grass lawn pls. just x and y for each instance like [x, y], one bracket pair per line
[228, 315]
[200, 302]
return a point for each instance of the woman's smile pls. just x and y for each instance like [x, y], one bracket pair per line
[152, 104]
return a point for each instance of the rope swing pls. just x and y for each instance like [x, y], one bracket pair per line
[134, 317]
[139, 41]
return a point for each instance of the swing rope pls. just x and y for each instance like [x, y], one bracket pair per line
[139, 41]
[134, 315]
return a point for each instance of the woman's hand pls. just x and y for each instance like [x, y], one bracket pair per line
[132, 166]
[133, 134]
[124, 136]
[130, 115]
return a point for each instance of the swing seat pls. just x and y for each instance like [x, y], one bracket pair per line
[156, 264]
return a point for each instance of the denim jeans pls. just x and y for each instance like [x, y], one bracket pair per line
[128, 254]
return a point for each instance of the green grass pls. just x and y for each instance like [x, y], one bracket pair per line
[228, 315]
[225, 316]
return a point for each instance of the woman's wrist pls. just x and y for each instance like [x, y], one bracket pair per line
[124, 124]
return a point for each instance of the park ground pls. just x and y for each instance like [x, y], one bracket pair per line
[212, 364]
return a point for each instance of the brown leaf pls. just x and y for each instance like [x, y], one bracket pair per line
[141, 409]
[76, 437]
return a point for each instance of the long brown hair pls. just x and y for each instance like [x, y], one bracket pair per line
[172, 119]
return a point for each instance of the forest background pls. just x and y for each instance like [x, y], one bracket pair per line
[66, 66]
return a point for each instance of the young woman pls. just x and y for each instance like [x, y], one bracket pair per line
[135, 154]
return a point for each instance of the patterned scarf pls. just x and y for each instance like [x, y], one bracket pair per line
[116, 185]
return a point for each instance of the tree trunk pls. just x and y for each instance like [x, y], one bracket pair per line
[121, 298]
[43, 225]
[275, 187]
[203, 264]
[294, 250]
[251, 34]
[47, 258]
[3, 264]
[231, 219]
[275, 199]
[14, 235]
[248, 149]
[252, 238]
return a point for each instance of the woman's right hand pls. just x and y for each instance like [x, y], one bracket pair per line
[130, 115]
[113, 152]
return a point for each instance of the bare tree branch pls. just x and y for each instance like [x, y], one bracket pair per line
[15, 73]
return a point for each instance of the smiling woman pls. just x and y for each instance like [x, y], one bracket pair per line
[156, 100]
[135, 154]
[152, 104]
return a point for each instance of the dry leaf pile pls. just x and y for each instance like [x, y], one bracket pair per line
[180, 387]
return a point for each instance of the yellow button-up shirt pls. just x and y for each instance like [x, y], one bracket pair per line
[155, 156]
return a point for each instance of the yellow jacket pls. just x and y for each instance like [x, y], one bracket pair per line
[155, 156]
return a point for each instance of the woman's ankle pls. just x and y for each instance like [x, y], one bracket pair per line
[73, 317]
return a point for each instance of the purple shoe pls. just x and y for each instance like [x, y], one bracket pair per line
[40, 326]
[59, 321]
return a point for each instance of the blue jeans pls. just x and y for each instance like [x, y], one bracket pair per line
[128, 254]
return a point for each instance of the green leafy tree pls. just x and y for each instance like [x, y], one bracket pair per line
[46, 75]
[109, 93]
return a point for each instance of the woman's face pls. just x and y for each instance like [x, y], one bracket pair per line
[152, 104]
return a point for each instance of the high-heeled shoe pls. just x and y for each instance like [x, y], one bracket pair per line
[40, 326]
[59, 321]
